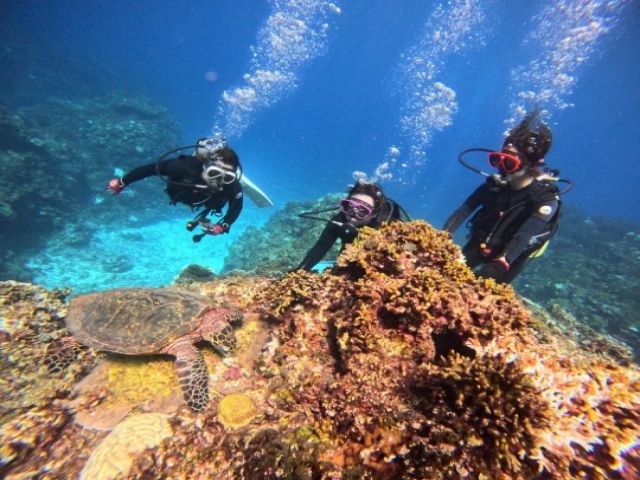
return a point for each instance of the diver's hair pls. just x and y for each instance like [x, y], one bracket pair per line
[532, 137]
[224, 154]
[227, 155]
[367, 188]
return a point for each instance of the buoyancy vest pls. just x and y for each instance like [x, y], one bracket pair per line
[504, 211]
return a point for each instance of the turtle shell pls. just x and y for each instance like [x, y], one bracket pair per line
[134, 320]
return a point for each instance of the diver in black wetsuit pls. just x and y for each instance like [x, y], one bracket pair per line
[205, 181]
[519, 208]
[365, 205]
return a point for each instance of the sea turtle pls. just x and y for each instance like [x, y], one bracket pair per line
[144, 321]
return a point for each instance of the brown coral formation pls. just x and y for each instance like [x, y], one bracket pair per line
[398, 364]
[420, 370]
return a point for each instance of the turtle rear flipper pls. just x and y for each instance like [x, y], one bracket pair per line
[61, 353]
[193, 375]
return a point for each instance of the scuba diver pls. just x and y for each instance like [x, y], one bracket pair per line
[365, 205]
[205, 181]
[519, 207]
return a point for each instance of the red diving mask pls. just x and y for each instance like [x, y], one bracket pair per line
[505, 162]
[355, 209]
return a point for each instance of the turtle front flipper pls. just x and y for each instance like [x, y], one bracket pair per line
[192, 373]
[61, 353]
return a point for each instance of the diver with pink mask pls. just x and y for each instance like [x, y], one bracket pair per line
[365, 205]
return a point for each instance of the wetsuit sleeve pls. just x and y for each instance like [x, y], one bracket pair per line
[328, 237]
[236, 201]
[166, 167]
[533, 232]
[467, 208]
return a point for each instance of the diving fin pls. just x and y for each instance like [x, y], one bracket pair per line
[256, 195]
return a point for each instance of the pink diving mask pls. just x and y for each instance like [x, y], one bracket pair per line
[355, 209]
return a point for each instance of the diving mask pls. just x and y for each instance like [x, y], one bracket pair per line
[356, 209]
[216, 176]
[505, 162]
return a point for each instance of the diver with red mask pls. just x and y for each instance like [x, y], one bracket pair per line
[517, 209]
[365, 205]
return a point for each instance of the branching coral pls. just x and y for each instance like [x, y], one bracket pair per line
[481, 414]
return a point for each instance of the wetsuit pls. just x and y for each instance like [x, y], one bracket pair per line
[340, 227]
[185, 185]
[512, 223]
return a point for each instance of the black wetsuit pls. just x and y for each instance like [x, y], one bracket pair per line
[512, 224]
[185, 185]
[340, 227]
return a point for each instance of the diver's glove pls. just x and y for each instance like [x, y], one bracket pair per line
[215, 229]
[115, 186]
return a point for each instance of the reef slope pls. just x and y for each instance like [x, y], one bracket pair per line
[398, 363]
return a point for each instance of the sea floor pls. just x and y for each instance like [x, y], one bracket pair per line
[128, 255]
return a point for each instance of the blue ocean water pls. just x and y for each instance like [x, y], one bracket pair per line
[310, 92]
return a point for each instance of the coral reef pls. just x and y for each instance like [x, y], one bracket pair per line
[591, 270]
[30, 317]
[396, 364]
[64, 128]
[55, 159]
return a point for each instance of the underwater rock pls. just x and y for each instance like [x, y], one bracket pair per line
[34, 74]
[194, 274]
[399, 363]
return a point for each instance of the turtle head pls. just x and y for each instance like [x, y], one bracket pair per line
[218, 331]
[223, 340]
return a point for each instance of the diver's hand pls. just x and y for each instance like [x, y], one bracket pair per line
[115, 186]
[216, 229]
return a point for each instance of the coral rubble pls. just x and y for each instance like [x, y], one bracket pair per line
[396, 364]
